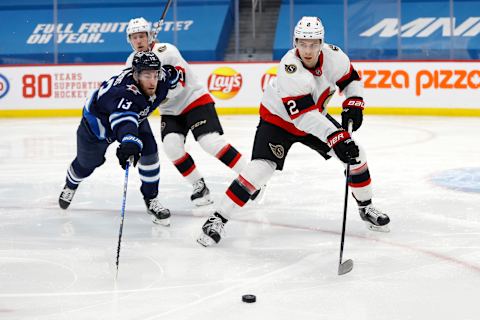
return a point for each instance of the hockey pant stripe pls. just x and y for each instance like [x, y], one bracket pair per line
[185, 165]
[229, 155]
[238, 193]
[360, 180]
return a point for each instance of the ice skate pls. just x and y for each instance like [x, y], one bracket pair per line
[66, 197]
[160, 214]
[374, 219]
[201, 194]
[212, 230]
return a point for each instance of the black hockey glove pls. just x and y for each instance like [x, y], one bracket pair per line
[172, 74]
[130, 147]
[343, 145]
[352, 110]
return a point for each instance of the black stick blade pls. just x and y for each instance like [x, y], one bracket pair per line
[345, 267]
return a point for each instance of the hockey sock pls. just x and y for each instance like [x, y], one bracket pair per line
[240, 191]
[360, 182]
[76, 173]
[231, 158]
[215, 144]
[149, 171]
[185, 165]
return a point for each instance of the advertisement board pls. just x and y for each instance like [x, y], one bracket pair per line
[390, 29]
[420, 87]
[98, 34]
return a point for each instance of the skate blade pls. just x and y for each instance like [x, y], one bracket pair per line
[345, 267]
[202, 202]
[205, 240]
[373, 227]
[161, 222]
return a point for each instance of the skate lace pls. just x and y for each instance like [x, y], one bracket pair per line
[373, 212]
[198, 186]
[215, 224]
[156, 206]
[67, 194]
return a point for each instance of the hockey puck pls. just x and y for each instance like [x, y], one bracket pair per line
[249, 298]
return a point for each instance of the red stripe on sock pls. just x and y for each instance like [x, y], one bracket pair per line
[251, 188]
[360, 184]
[186, 173]
[223, 151]
[361, 168]
[234, 198]
[235, 160]
[180, 160]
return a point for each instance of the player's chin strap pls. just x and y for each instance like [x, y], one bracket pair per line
[157, 25]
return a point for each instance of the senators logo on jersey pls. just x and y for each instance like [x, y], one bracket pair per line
[334, 48]
[290, 68]
[162, 48]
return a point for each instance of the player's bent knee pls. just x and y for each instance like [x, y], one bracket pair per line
[212, 142]
[174, 146]
[258, 172]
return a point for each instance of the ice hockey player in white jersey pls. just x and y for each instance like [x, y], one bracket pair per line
[294, 109]
[189, 107]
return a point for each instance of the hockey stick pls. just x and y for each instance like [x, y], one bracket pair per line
[346, 266]
[158, 24]
[123, 213]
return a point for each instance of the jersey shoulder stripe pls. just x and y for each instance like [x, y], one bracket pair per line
[351, 75]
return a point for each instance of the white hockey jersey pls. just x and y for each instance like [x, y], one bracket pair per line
[189, 93]
[297, 99]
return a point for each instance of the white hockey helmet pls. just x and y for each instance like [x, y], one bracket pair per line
[139, 25]
[309, 28]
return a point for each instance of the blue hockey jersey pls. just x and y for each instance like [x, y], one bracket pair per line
[116, 109]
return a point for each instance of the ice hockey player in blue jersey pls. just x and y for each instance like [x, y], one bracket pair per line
[118, 111]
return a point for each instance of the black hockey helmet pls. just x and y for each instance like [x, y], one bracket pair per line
[145, 61]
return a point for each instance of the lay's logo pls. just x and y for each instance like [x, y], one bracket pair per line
[268, 76]
[224, 83]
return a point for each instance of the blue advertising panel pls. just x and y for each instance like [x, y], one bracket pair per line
[97, 34]
[416, 30]
[362, 15]
[390, 29]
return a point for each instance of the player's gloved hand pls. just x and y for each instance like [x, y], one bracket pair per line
[131, 146]
[352, 110]
[172, 74]
[345, 148]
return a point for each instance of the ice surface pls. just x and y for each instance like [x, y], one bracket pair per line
[57, 264]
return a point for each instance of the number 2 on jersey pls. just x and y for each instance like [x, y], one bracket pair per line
[292, 107]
